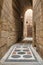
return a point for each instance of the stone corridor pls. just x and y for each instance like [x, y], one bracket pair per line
[21, 25]
[20, 54]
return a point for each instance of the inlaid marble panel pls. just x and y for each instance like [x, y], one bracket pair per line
[21, 53]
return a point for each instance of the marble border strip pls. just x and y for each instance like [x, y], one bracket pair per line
[40, 61]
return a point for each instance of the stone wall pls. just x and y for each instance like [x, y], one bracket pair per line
[10, 25]
[38, 20]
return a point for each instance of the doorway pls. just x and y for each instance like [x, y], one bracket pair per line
[28, 24]
[29, 31]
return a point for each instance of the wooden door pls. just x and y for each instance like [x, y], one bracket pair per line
[29, 31]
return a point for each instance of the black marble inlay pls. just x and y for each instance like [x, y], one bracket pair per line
[27, 56]
[21, 52]
[17, 50]
[26, 50]
[15, 56]
[25, 46]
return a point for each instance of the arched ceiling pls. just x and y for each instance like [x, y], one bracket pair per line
[25, 4]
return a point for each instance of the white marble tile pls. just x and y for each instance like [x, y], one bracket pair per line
[21, 47]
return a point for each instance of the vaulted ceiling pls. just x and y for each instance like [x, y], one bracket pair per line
[25, 4]
[22, 5]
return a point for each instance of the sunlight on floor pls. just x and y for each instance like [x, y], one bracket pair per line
[28, 39]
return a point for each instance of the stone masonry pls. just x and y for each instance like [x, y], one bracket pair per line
[10, 25]
[38, 22]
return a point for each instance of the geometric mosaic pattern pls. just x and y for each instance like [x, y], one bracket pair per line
[21, 53]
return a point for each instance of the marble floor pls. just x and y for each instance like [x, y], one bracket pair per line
[20, 54]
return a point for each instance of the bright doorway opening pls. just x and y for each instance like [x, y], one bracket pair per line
[28, 24]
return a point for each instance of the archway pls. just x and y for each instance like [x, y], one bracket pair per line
[28, 24]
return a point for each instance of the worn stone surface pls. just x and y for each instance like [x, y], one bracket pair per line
[38, 19]
[10, 25]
